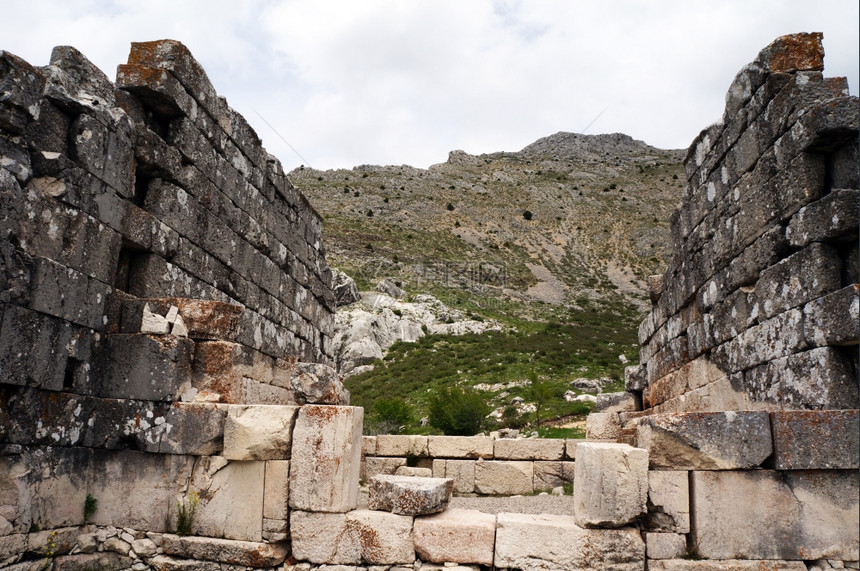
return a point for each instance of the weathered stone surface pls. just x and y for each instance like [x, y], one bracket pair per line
[315, 383]
[706, 440]
[456, 535]
[401, 445]
[462, 472]
[725, 565]
[504, 478]
[276, 494]
[368, 445]
[550, 475]
[204, 319]
[378, 465]
[616, 402]
[665, 545]
[325, 458]
[409, 495]
[167, 563]
[218, 483]
[258, 432]
[635, 378]
[414, 471]
[611, 484]
[553, 542]
[81, 562]
[834, 318]
[570, 447]
[830, 218]
[384, 538]
[602, 426]
[21, 87]
[345, 290]
[528, 449]
[147, 367]
[668, 501]
[816, 439]
[247, 553]
[460, 446]
[733, 514]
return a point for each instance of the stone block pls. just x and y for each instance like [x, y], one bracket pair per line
[831, 218]
[548, 475]
[204, 319]
[668, 501]
[323, 538]
[504, 478]
[808, 274]
[602, 426]
[219, 483]
[777, 337]
[325, 458]
[457, 536]
[21, 87]
[68, 294]
[462, 472]
[528, 449]
[733, 514]
[525, 541]
[258, 432]
[460, 446]
[706, 440]
[725, 565]
[665, 545]
[377, 465]
[635, 378]
[816, 439]
[409, 495]
[368, 445]
[794, 52]
[146, 367]
[616, 402]
[33, 348]
[611, 484]
[384, 538]
[833, 319]
[570, 447]
[276, 491]
[821, 378]
[241, 553]
[414, 472]
[316, 383]
[233, 373]
[401, 445]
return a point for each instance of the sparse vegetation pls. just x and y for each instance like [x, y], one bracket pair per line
[91, 504]
[458, 411]
[185, 510]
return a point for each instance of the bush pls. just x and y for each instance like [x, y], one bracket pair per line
[390, 416]
[458, 412]
[449, 206]
[527, 215]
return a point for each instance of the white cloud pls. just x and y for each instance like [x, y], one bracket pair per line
[387, 81]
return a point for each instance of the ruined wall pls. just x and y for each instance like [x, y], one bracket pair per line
[758, 308]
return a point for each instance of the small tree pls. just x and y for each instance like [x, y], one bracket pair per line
[458, 412]
[540, 392]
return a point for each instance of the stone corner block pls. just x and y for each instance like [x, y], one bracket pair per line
[611, 484]
[258, 432]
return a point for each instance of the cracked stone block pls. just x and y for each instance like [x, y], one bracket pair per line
[527, 541]
[326, 456]
[409, 495]
[733, 514]
[456, 535]
[616, 402]
[668, 501]
[378, 538]
[725, 565]
[602, 426]
[611, 487]
[230, 552]
[204, 319]
[376, 465]
[219, 482]
[258, 432]
[833, 319]
[706, 440]
[462, 472]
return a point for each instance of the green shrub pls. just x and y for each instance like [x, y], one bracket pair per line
[185, 514]
[90, 506]
[527, 215]
[390, 416]
[458, 412]
[449, 206]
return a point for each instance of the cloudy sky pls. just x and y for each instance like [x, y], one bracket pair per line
[349, 82]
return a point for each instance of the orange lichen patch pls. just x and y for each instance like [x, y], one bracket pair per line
[326, 413]
[795, 52]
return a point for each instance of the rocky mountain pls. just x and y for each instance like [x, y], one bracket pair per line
[570, 221]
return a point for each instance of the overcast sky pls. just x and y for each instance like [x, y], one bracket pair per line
[349, 82]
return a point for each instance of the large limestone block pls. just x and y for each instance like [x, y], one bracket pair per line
[668, 501]
[665, 545]
[460, 446]
[231, 498]
[462, 472]
[706, 440]
[409, 495]
[276, 494]
[816, 439]
[528, 449]
[326, 455]
[725, 565]
[504, 478]
[401, 445]
[258, 432]
[549, 475]
[243, 553]
[602, 426]
[456, 535]
[368, 445]
[554, 542]
[611, 487]
[384, 538]
[146, 367]
[764, 514]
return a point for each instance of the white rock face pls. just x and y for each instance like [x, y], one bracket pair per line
[365, 330]
[409, 495]
[504, 478]
[554, 542]
[258, 432]
[326, 457]
[456, 535]
[611, 484]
